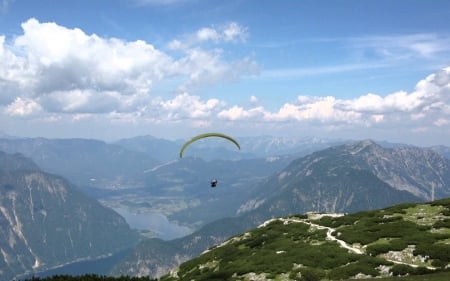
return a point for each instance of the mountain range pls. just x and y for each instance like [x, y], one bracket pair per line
[251, 147]
[264, 181]
[85, 162]
[145, 175]
[346, 178]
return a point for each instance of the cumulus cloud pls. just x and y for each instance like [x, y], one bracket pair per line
[234, 32]
[23, 107]
[231, 32]
[185, 106]
[63, 59]
[427, 105]
[208, 67]
[238, 113]
[56, 74]
[58, 69]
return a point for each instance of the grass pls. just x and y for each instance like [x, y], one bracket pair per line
[415, 234]
[424, 214]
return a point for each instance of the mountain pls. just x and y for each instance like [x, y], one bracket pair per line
[46, 222]
[407, 239]
[443, 150]
[85, 162]
[161, 149]
[212, 149]
[346, 178]
[353, 177]
[265, 146]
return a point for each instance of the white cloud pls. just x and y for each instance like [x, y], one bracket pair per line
[321, 109]
[89, 101]
[206, 34]
[55, 74]
[441, 122]
[238, 113]
[208, 67]
[234, 32]
[404, 46]
[66, 70]
[399, 101]
[50, 58]
[231, 32]
[427, 105]
[401, 116]
[22, 107]
[185, 106]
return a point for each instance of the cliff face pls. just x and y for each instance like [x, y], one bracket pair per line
[45, 222]
[358, 176]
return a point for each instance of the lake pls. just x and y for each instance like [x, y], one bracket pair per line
[154, 222]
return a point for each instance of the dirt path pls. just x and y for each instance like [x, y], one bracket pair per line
[329, 234]
[341, 242]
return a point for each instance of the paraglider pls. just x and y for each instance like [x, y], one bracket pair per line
[207, 135]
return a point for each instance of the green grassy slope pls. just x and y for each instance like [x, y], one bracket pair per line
[404, 240]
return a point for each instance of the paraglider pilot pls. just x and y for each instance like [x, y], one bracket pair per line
[213, 183]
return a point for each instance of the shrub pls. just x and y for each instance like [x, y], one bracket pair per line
[401, 270]
[377, 249]
[311, 274]
[442, 223]
[421, 270]
[352, 269]
[438, 263]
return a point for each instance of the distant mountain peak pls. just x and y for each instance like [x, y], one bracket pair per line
[359, 146]
[16, 161]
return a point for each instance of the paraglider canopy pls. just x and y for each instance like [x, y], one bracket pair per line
[207, 135]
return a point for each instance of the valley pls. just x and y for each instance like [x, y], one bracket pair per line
[171, 207]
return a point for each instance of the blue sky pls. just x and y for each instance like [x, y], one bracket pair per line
[173, 68]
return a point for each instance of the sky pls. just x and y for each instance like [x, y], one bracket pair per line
[111, 69]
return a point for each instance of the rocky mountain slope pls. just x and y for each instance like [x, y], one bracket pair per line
[407, 239]
[353, 177]
[346, 178]
[45, 222]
